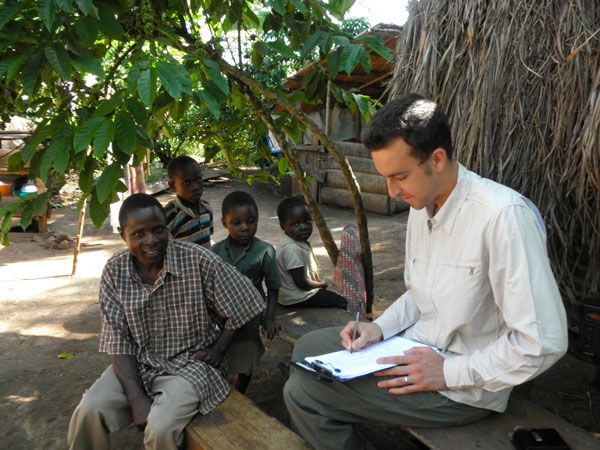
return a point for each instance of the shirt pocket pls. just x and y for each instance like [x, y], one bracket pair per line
[460, 290]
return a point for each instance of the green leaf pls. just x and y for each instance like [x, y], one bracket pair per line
[98, 211]
[47, 11]
[349, 58]
[88, 64]
[104, 134]
[87, 30]
[26, 216]
[341, 41]
[60, 150]
[209, 102]
[86, 179]
[85, 133]
[65, 356]
[310, 43]
[109, 24]
[132, 78]
[363, 104]
[6, 226]
[30, 72]
[47, 160]
[40, 202]
[279, 7]
[138, 111]
[65, 5]
[147, 86]
[333, 63]
[108, 181]
[13, 69]
[283, 165]
[299, 4]
[125, 132]
[84, 6]
[15, 163]
[282, 48]
[168, 78]
[108, 106]
[214, 74]
[40, 133]
[59, 60]
[9, 10]
[383, 51]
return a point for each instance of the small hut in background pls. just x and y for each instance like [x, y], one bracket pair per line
[520, 83]
[328, 184]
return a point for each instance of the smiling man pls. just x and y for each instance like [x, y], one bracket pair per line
[478, 286]
[163, 304]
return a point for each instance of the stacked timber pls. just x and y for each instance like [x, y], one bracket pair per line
[332, 189]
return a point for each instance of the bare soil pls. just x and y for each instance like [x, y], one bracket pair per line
[46, 312]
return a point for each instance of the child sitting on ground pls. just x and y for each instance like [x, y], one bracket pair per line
[189, 218]
[256, 260]
[301, 285]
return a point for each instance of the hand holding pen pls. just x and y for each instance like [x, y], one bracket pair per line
[367, 333]
[356, 320]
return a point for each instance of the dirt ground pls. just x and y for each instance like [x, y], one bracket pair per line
[44, 312]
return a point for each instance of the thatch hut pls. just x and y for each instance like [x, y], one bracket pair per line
[520, 82]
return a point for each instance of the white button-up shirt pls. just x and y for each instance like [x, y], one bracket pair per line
[480, 287]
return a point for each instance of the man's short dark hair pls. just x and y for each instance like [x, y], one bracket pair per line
[420, 122]
[178, 163]
[285, 206]
[235, 199]
[138, 201]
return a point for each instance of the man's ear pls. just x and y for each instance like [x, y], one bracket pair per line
[171, 184]
[223, 222]
[439, 159]
[121, 233]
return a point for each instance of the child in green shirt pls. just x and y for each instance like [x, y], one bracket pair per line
[256, 260]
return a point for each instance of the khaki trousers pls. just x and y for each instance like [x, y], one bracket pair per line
[104, 408]
[324, 412]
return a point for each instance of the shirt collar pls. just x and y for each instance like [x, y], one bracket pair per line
[242, 252]
[171, 264]
[184, 208]
[446, 216]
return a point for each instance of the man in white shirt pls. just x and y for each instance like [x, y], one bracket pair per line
[479, 287]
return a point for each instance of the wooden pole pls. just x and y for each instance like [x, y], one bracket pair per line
[78, 238]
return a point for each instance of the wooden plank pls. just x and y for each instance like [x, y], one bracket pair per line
[374, 184]
[341, 198]
[363, 165]
[495, 432]
[239, 424]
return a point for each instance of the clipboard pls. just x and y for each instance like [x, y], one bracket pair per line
[344, 365]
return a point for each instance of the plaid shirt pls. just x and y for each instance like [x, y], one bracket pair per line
[164, 324]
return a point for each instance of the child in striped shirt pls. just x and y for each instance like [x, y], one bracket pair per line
[189, 218]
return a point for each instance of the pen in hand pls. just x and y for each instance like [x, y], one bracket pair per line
[356, 319]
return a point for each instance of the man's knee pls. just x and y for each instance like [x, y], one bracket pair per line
[317, 342]
[163, 429]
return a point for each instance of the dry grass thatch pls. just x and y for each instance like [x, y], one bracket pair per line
[520, 82]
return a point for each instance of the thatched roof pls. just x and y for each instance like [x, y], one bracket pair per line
[520, 83]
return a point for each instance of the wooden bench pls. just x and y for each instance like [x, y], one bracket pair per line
[493, 433]
[239, 424]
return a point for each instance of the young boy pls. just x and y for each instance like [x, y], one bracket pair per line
[256, 260]
[301, 285]
[163, 304]
[189, 218]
